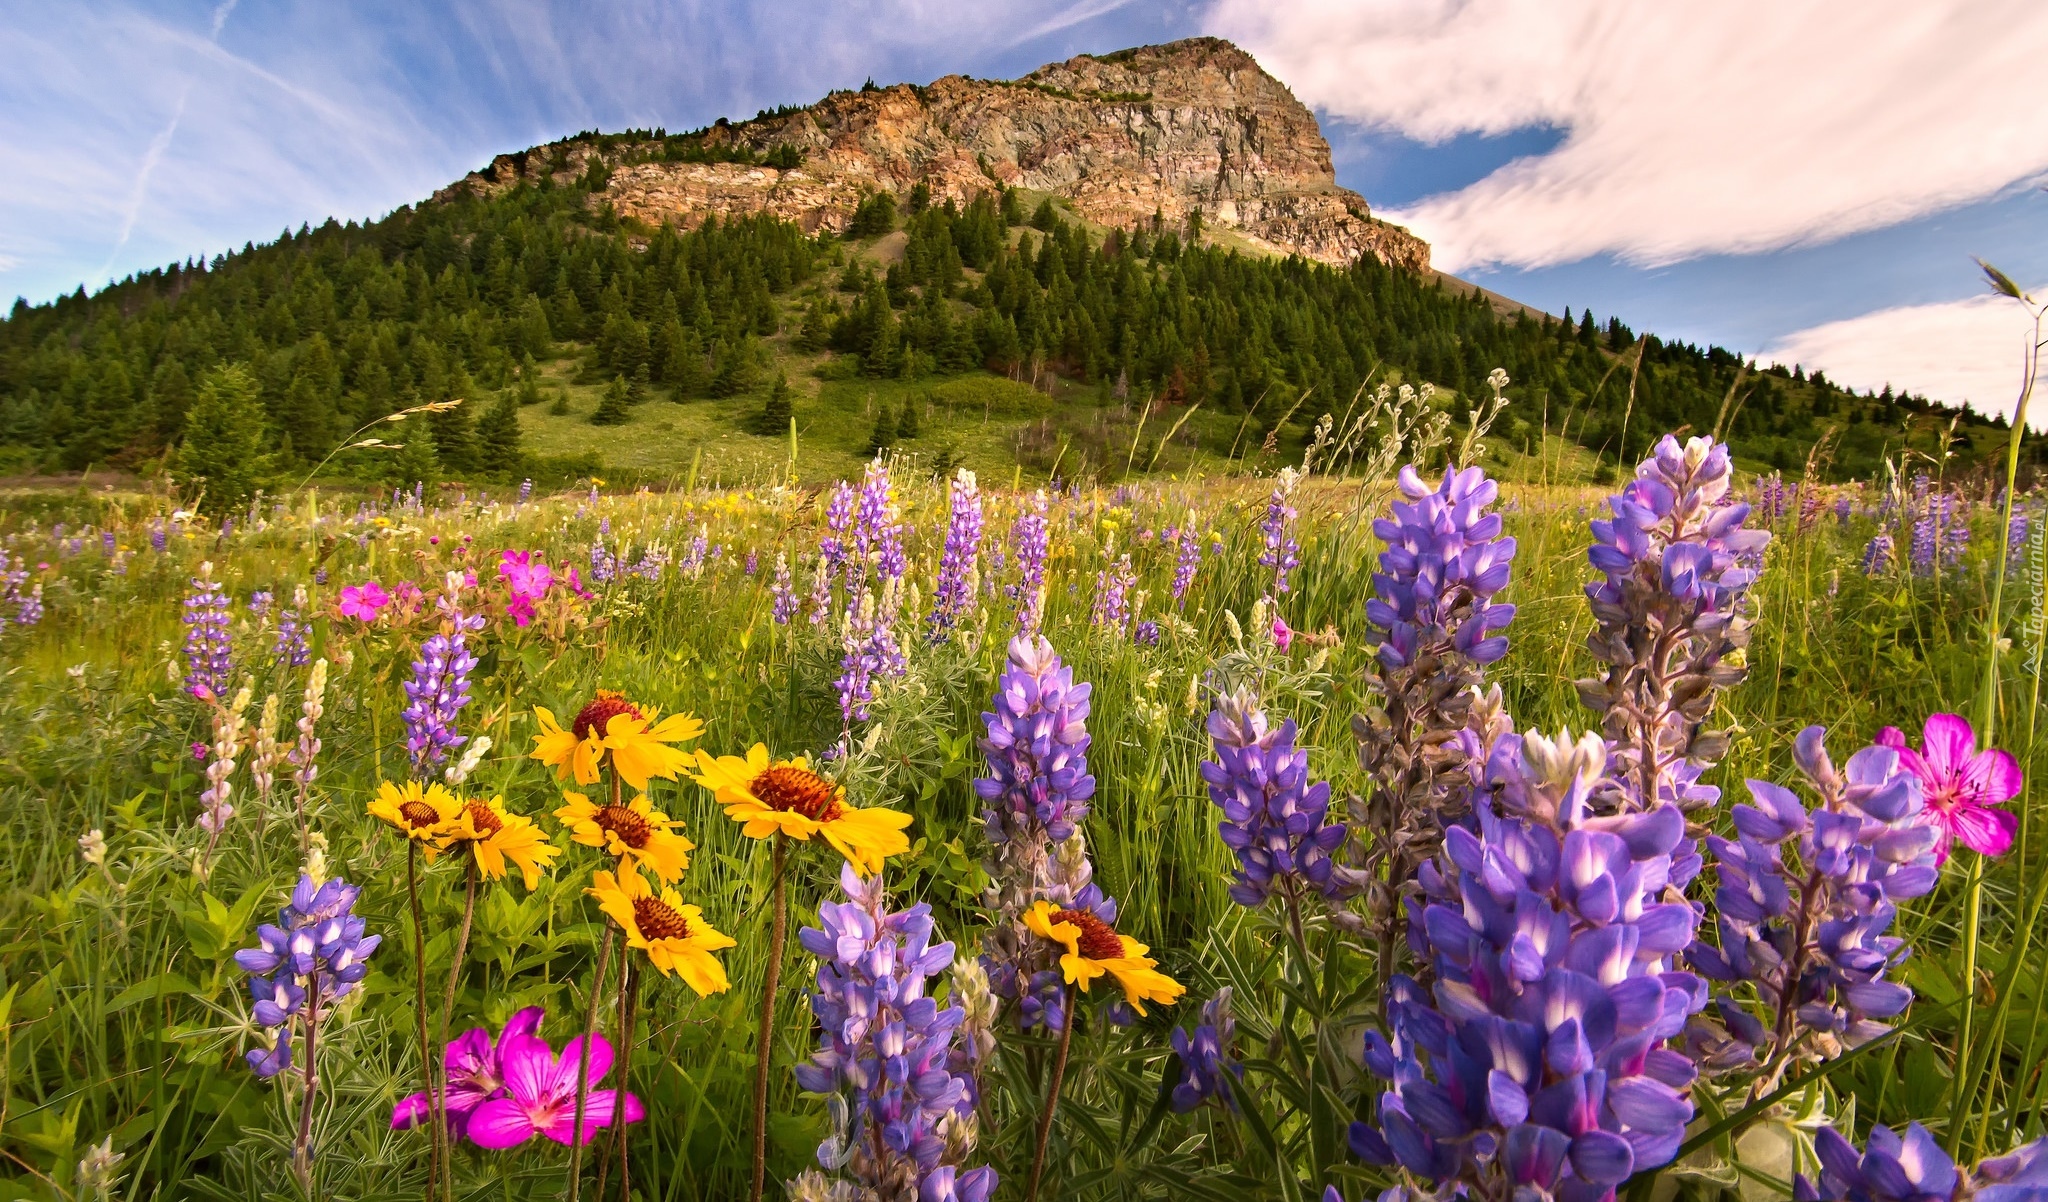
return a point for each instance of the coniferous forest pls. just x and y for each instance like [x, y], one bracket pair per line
[327, 329]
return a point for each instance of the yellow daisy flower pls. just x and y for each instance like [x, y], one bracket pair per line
[1094, 947]
[494, 836]
[636, 833]
[785, 796]
[610, 724]
[420, 813]
[675, 936]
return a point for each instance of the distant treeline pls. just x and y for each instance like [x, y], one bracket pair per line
[347, 323]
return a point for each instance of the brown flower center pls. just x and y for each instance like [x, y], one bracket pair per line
[482, 818]
[418, 815]
[632, 829]
[659, 920]
[598, 714]
[1099, 940]
[787, 787]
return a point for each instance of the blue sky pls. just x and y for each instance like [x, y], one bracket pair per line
[1811, 186]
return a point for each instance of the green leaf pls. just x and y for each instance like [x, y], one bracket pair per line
[142, 991]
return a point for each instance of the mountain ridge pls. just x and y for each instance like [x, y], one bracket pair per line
[1193, 129]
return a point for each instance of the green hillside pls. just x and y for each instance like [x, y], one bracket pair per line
[1005, 336]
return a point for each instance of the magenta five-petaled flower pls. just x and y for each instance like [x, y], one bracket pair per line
[1961, 784]
[364, 601]
[502, 1096]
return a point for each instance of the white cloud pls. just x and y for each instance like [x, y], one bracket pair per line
[1689, 128]
[1968, 351]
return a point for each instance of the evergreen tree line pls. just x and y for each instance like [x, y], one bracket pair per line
[342, 325]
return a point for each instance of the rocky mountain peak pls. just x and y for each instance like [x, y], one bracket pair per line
[1195, 126]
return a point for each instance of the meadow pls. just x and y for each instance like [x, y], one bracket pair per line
[170, 654]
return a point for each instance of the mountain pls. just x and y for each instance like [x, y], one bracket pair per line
[1120, 263]
[1166, 132]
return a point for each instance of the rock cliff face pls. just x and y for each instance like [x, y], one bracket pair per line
[1193, 126]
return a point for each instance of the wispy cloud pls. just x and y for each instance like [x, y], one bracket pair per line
[137, 132]
[1967, 351]
[1738, 126]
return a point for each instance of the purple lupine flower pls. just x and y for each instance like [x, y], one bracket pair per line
[1435, 627]
[1035, 796]
[753, 563]
[884, 1048]
[1037, 747]
[1146, 633]
[872, 605]
[604, 565]
[953, 595]
[1955, 529]
[108, 542]
[1204, 1057]
[1274, 819]
[821, 593]
[1770, 498]
[1280, 553]
[1877, 554]
[1927, 535]
[1914, 1168]
[1187, 559]
[1670, 614]
[1539, 1062]
[290, 649]
[692, 564]
[28, 606]
[1843, 510]
[208, 648]
[1112, 607]
[1804, 902]
[315, 956]
[439, 687]
[2016, 537]
[653, 559]
[525, 492]
[838, 526]
[159, 536]
[1031, 536]
[260, 601]
[783, 590]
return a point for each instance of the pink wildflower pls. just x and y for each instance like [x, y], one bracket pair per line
[362, 601]
[1961, 785]
[475, 1073]
[540, 1094]
[1283, 636]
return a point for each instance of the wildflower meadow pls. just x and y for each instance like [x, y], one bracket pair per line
[1390, 832]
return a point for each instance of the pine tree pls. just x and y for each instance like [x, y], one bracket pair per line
[498, 434]
[613, 409]
[414, 462]
[776, 410]
[222, 451]
[907, 424]
[884, 432]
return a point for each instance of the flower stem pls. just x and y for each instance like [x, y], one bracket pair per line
[1052, 1096]
[618, 1105]
[302, 1151]
[1973, 902]
[436, 1105]
[604, 955]
[628, 1008]
[777, 924]
[461, 948]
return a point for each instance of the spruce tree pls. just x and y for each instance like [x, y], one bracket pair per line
[884, 432]
[775, 411]
[225, 432]
[414, 462]
[613, 409]
[498, 435]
